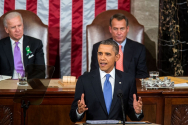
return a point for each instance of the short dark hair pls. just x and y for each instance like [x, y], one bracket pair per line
[119, 16]
[113, 43]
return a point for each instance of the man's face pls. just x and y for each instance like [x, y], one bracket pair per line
[107, 57]
[15, 28]
[119, 30]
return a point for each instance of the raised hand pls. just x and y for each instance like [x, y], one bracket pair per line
[81, 105]
[137, 105]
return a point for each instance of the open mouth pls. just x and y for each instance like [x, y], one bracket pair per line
[103, 64]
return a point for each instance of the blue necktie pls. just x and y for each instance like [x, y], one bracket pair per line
[107, 91]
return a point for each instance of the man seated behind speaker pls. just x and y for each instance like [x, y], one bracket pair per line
[133, 59]
[18, 50]
[96, 92]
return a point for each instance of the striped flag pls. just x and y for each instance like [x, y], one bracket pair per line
[67, 21]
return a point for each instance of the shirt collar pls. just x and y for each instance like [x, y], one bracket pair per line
[103, 74]
[123, 43]
[13, 42]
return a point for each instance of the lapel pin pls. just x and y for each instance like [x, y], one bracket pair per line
[28, 50]
[119, 82]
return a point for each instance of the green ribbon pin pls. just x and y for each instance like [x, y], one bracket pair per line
[28, 50]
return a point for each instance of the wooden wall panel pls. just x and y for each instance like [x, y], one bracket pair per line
[176, 111]
[10, 113]
[48, 115]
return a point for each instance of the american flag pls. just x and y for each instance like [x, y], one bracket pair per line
[67, 21]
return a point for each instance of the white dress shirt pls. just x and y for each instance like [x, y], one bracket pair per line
[111, 79]
[122, 44]
[20, 45]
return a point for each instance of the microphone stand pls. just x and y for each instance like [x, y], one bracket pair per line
[25, 107]
[120, 95]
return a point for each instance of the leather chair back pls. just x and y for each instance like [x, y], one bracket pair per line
[33, 27]
[99, 30]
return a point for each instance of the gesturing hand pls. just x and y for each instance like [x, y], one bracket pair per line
[81, 105]
[137, 104]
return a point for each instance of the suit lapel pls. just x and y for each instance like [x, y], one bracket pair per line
[25, 44]
[96, 83]
[118, 86]
[127, 55]
[8, 52]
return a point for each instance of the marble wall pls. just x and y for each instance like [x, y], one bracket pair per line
[147, 14]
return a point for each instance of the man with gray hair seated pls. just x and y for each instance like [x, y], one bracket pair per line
[18, 50]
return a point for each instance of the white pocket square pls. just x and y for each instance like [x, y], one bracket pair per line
[30, 56]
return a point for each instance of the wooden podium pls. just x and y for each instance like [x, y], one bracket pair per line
[158, 105]
[113, 124]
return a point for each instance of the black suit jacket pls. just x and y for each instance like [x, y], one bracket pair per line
[7, 59]
[90, 85]
[134, 59]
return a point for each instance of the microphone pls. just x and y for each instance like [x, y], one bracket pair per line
[120, 95]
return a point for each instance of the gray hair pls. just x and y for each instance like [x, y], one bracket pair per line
[10, 16]
[111, 42]
[119, 16]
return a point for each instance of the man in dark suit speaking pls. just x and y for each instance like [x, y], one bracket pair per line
[96, 92]
[132, 54]
[18, 50]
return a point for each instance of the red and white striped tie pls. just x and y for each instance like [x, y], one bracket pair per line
[119, 63]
